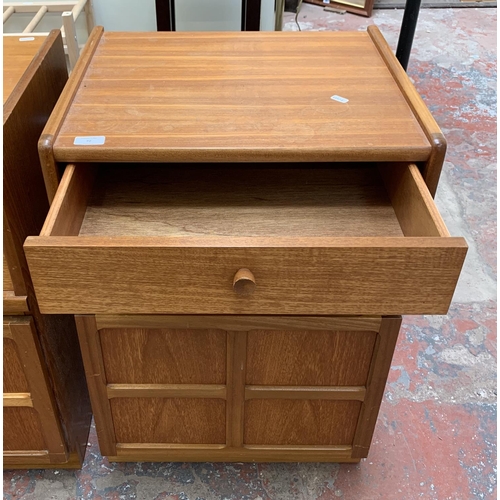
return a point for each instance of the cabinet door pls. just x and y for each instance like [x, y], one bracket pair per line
[242, 388]
[32, 434]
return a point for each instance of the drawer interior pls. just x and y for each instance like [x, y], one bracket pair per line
[149, 200]
[145, 200]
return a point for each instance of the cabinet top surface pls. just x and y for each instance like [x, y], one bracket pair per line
[239, 97]
[18, 52]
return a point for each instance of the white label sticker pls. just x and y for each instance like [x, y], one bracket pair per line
[337, 98]
[27, 39]
[90, 140]
[326, 1]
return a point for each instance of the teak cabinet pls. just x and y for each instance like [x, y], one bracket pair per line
[46, 407]
[237, 246]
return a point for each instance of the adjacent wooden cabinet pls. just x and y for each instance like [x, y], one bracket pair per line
[46, 407]
[238, 246]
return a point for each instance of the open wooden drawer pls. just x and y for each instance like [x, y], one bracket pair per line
[351, 239]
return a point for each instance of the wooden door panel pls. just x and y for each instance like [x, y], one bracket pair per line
[304, 358]
[14, 379]
[300, 422]
[161, 356]
[165, 420]
[22, 430]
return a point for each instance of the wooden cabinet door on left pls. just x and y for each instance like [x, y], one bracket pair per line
[31, 427]
[47, 410]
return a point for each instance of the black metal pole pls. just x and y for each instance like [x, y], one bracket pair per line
[165, 15]
[408, 26]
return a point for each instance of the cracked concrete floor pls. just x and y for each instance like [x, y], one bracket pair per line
[436, 435]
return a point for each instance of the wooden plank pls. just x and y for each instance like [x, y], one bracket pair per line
[132, 201]
[150, 452]
[235, 406]
[166, 391]
[240, 323]
[20, 399]
[294, 357]
[379, 370]
[412, 202]
[319, 276]
[43, 401]
[70, 37]
[320, 130]
[50, 170]
[96, 381]
[37, 460]
[22, 7]
[36, 19]
[8, 12]
[70, 203]
[339, 393]
[89, 16]
[15, 304]
[434, 163]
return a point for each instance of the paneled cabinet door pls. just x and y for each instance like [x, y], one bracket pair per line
[31, 429]
[236, 388]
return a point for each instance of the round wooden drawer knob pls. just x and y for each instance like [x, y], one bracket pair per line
[244, 282]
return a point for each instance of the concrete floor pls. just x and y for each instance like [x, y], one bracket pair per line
[436, 435]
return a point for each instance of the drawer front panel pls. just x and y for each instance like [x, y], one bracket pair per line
[14, 379]
[309, 358]
[360, 276]
[22, 430]
[300, 422]
[163, 356]
[162, 420]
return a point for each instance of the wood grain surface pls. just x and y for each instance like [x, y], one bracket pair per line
[295, 422]
[7, 280]
[14, 379]
[25, 111]
[144, 200]
[412, 201]
[375, 386]
[239, 97]
[15, 304]
[96, 380]
[135, 452]
[159, 420]
[240, 323]
[50, 168]
[431, 168]
[17, 56]
[338, 393]
[22, 430]
[154, 356]
[24, 335]
[292, 358]
[194, 275]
